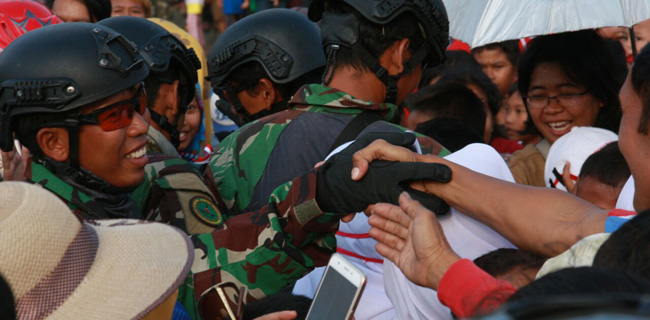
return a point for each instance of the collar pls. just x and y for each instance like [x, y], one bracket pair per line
[156, 142]
[92, 203]
[320, 98]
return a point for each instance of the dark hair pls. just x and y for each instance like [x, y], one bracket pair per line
[456, 59]
[278, 302]
[510, 48]
[628, 248]
[7, 306]
[530, 127]
[97, 9]
[155, 79]
[607, 166]
[450, 100]
[467, 76]
[500, 261]
[584, 57]
[374, 37]
[452, 133]
[583, 281]
[619, 62]
[248, 75]
[641, 84]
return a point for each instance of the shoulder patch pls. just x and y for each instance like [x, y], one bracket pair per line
[204, 210]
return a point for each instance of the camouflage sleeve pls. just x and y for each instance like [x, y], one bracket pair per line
[264, 251]
[174, 192]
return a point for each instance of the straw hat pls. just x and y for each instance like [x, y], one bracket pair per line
[60, 268]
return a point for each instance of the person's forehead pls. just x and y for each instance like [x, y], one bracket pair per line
[492, 55]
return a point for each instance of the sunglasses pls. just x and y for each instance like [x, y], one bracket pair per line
[117, 115]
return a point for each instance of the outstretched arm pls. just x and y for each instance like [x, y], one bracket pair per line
[410, 236]
[539, 220]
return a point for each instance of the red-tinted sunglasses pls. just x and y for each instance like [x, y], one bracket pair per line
[117, 115]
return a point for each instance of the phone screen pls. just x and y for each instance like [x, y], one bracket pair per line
[334, 298]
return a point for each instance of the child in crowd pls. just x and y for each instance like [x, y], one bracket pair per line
[518, 125]
[499, 62]
[446, 100]
[602, 177]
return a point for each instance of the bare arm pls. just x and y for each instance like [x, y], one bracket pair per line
[540, 220]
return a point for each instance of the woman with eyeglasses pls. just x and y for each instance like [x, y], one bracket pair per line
[566, 80]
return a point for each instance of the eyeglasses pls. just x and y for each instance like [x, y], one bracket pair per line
[568, 100]
[118, 115]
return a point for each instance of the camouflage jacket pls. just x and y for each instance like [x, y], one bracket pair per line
[174, 192]
[156, 142]
[254, 160]
[273, 246]
[264, 250]
[85, 203]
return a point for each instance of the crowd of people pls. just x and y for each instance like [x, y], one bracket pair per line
[149, 174]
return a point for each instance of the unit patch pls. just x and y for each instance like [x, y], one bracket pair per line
[204, 210]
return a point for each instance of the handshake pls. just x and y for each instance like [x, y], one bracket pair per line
[384, 181]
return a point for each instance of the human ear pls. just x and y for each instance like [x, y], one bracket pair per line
[268, 93]
[399, 54]
[54, 143]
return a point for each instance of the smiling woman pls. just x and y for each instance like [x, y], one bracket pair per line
[566, 80]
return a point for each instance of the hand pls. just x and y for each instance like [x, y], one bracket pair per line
[411, 237]
[569, 184]
[280, 315]
[14, 164]
[337, 192]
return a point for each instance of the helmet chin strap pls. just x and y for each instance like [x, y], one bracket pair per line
[171, 128]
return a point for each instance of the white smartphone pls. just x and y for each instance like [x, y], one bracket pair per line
[339, 291]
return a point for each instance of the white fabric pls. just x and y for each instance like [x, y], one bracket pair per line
[626, 198]
[574, 147]
[481, 22]
[374, 304]
[581, 254]
[468, 237]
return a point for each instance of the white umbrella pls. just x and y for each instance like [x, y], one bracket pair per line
[481, 22]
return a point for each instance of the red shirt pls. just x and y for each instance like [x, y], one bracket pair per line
[467, 290]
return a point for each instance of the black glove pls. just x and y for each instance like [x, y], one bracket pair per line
[384, 181]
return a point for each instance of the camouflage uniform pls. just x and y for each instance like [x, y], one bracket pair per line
[156, 142]
[250, 163]
[172, 192]
[273, 246]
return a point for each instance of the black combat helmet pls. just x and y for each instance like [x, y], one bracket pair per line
[61, 68]
[283, 41]
[160, 49]
[343, 30]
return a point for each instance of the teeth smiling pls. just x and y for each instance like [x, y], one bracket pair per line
[137, 154]
[182, 134]
[561, 125]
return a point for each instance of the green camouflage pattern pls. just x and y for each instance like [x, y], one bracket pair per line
[265, 251]
[79, 202]
[167, 191]
[240, 160]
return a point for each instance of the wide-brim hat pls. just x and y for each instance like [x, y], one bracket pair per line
[61, 268]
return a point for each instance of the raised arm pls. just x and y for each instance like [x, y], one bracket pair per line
[539, 220]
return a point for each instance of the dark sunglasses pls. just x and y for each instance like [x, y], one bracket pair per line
[117, 115]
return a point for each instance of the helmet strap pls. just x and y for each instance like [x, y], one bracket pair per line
[390, 81]
[171, 128]
[331, 64]
[73, 146]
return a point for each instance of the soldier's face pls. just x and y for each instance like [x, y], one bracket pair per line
[117, 156]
